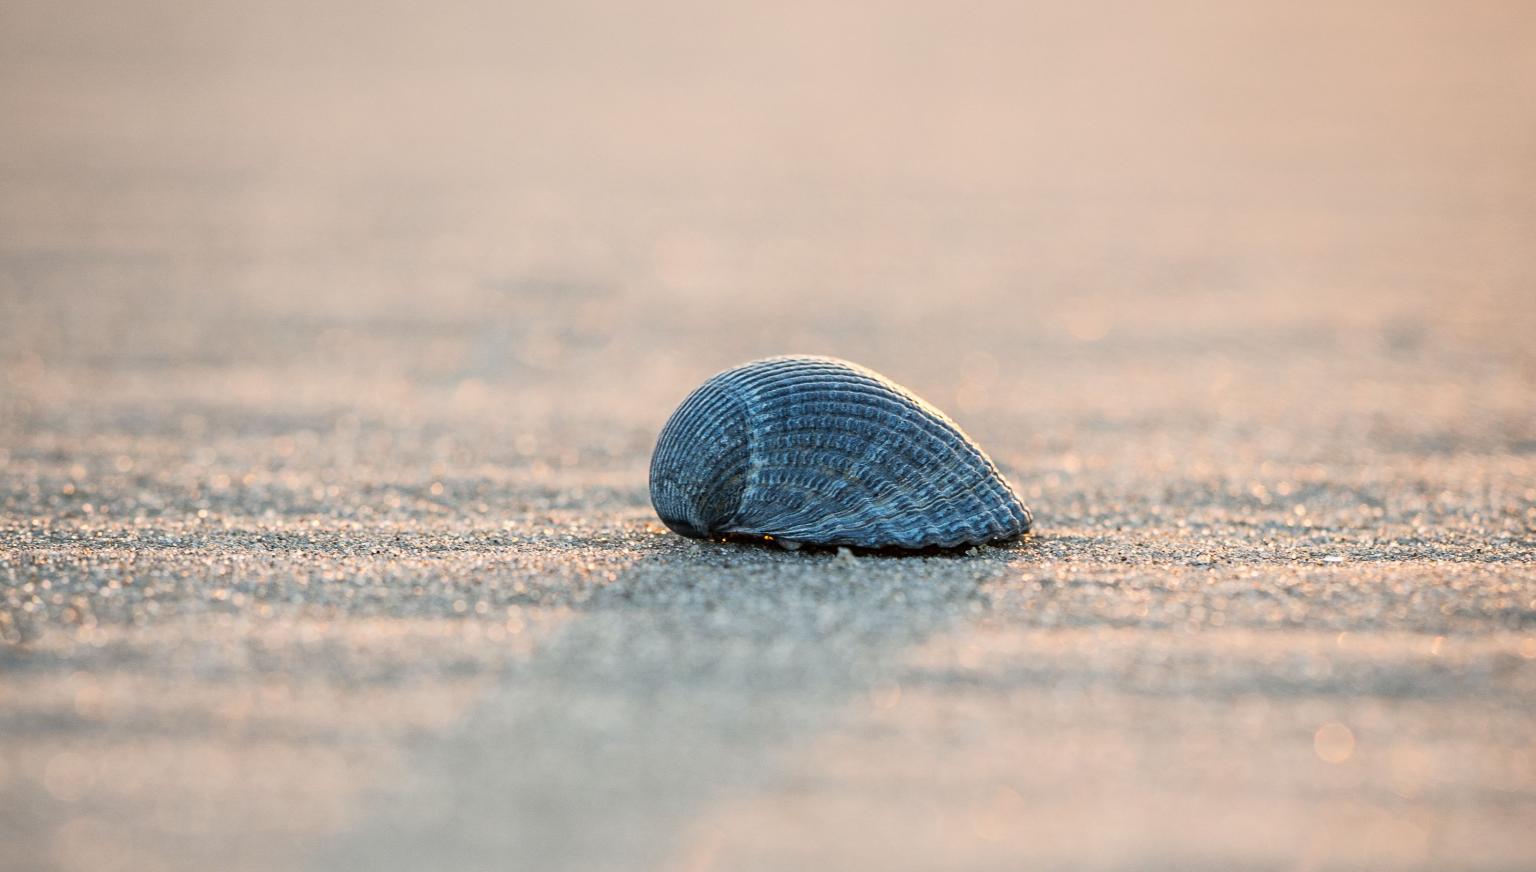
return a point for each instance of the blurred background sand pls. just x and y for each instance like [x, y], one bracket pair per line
[334, 339]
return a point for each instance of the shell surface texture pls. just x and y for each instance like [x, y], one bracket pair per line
[820, 451]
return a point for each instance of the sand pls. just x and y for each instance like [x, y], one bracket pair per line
[333, 344]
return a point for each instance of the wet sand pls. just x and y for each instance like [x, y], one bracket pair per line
[333, 345]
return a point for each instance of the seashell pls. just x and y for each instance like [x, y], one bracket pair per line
[821, 451]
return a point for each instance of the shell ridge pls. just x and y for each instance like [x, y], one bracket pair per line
[822, 450]
[951, 492]
[694, 472]
[952, 486]
[949, 504]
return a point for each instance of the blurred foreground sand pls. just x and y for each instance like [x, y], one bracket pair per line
[333, 342]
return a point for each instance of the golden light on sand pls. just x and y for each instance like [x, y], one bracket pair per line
[1333, 742]
[886, 695]
[998, 814]
[1411, 770]
[68, 776]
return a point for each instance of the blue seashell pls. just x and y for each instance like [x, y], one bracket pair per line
[821, 451]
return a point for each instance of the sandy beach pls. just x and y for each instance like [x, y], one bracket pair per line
[334, 343]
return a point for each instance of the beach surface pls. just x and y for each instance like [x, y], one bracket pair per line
[334, 342]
